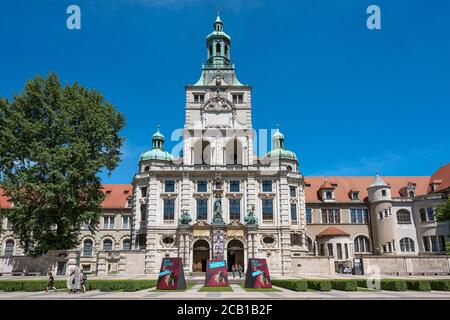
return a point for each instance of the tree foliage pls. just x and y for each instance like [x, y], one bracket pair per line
[54, 140]
[443, 211]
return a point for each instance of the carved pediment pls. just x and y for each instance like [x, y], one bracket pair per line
[218, 104]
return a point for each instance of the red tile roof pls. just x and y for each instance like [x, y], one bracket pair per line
[345, 184]
[331, 232]
[442, 176]
[116, 196]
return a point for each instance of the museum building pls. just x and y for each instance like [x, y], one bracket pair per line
[218, 200]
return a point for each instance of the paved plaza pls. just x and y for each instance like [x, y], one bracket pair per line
[238, 294]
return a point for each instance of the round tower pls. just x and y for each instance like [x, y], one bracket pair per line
[383, 222]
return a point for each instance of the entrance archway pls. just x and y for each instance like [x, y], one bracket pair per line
[235, 254]
[200, 255]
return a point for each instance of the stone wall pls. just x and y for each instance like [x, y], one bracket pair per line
[28, 265]
[415, 265]
[312, 265]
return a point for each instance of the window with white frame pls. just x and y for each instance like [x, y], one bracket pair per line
[267, 186]
[430, 214]
[331, 216]
[361, 244]
[294, 212]
[267, 209]
[403, 217]
[169, 209]
[293, 191]
[9, 248]
[434, 243]
[108, 222]
[87, 248]
[308, 215]
[107, 245]
[169, 186]
[359, 216]
[407, 245]
[126, 222]
[126, 244]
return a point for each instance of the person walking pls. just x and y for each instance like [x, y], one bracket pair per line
[83, 279]
[240, 271]
[51, 282]
[233, 269]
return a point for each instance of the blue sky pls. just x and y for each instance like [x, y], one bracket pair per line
[350, 101]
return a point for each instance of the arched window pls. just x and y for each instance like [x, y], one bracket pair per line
[361, 244]
[87, 248]
[202, 152]
[9, 248]
[226, 50]
[218, 49]
[407, 245]
[210, 50]
[310, 244]
[126, 245]
[234, 152]
[403, 217]
[107, 245]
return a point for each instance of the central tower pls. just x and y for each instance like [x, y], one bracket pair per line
[218, 124]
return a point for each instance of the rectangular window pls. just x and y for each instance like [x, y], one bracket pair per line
[169, 186]
[358, 216]
[293, 212]
[426, 243]
[331, 216]
[126, 222]
[322, 249]
[108, 222]
[346, 251]
[267, 186]
[169, 209]
[199, 98]
[433, 241]
[423, 215]
[143, 192]
[383, 193]
[143, 212]
[235, 209]
[441, 243]
[330, 250]
[202, 186]
[355, 195]
[339, 251]
[328, 195]
[430, 214]
[293, 191]
[234, 186]
[202, 209]
[267, 209]
[308, 215]
[238, 98]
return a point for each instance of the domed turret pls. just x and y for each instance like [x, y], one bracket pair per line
[157, 152]
[278, 151]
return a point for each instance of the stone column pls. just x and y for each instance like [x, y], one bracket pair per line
[283, 222]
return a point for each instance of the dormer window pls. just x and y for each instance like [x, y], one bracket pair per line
[329, 195]
[355, 195]
[108, 191]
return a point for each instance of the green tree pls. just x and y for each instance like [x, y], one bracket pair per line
[54, 140]
[443, 211]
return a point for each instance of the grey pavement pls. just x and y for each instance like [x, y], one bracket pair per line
[237, 294]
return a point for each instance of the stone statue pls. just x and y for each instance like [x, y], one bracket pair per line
[217, 218]
[185, 218]
[250, 218]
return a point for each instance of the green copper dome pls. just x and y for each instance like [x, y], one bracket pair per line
[279, 152]
[157, 152]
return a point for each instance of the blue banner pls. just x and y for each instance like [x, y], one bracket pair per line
[217, 264]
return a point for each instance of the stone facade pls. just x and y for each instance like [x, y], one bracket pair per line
[218, 200]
